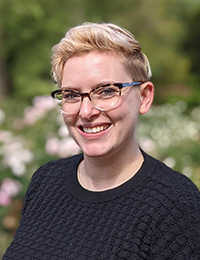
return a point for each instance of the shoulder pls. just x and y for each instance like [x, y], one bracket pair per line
[73, 160]
[58, 167]
[173, 194]
[180, 185]
[178, 188]
[175, 203]
[166, 178]
[170, 190]
[53, 172]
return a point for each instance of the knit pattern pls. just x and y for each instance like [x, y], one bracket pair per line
[155, 215]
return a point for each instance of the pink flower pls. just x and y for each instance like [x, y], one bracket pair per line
[5, 200]
[10, 187]
[68, 147]
[41, 106]
[63, 148]
[32, 114]
[52, 146]
[44, 102]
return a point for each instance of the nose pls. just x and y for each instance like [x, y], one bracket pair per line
[87, 110]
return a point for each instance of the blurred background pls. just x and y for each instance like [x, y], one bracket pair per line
[31, 128]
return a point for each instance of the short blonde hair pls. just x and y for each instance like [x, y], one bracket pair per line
[101, 37]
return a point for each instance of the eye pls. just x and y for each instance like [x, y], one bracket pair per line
[105, 92]
[70, 96]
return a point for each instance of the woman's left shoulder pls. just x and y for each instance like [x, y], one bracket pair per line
[171, 184]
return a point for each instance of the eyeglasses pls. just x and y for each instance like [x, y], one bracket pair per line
[103, 98]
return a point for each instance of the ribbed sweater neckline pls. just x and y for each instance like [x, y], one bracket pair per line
[82, 194]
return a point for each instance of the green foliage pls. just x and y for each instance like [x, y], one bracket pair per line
[29, 29]
[191, 41]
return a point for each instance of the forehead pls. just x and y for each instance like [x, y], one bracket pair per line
[93, 68]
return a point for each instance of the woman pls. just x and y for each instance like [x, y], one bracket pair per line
[113, 201]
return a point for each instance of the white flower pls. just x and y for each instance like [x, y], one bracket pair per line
[18, 169]
[147, 144]
[170, 162]
[15, 156]
[45, 103]
[181, 105]
[196, 113]
[187, 170]
[52, 146]
[5, 136]
[63, 131]
[63, 148]
[31, 115]
[68, 147]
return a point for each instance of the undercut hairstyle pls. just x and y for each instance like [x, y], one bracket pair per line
[101, 37]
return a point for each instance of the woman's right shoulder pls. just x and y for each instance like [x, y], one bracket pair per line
[57, 167]
[52, 173]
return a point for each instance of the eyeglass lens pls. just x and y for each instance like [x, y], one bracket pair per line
[102, 98]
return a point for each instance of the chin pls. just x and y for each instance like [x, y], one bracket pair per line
[95, 152]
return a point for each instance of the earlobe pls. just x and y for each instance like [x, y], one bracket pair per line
[147, 95]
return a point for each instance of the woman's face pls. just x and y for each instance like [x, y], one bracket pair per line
[98, 133]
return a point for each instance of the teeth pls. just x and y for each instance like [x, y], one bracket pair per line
[94, 130]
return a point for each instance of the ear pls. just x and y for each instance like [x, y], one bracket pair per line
[146, 95]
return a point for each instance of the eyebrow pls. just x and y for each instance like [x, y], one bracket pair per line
[93, 87]
[70, 88]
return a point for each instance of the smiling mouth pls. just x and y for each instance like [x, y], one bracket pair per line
[94, 130]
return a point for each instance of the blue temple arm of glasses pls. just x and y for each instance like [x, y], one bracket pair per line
[131, 84]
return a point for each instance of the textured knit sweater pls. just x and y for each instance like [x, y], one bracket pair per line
[155, 215]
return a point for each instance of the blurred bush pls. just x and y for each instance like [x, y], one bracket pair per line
[30, 136]
[29, 29]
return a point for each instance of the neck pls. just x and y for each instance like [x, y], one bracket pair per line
[99, 174]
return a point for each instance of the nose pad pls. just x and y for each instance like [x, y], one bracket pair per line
[87, 110]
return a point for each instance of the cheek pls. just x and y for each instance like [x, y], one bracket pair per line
[69, 122]
[129, 115]
[130, 107]
[125, 116]
[69, 119]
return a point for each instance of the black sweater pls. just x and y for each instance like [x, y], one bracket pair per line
[155, 215]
